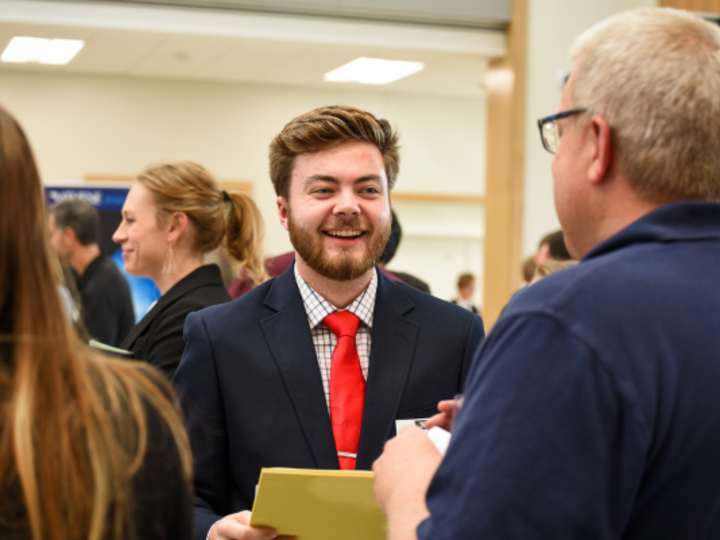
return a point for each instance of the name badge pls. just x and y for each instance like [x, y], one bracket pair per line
[419, 422]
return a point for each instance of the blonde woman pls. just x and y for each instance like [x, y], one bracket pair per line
[174, 214]
[90, 447]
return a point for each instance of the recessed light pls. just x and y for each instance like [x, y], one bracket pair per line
[373, 71]
[41, 50]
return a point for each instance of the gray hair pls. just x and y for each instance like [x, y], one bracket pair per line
[81, 216]
[654, 75]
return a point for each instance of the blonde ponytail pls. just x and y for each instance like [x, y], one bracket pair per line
[232, 220]
[244, 234]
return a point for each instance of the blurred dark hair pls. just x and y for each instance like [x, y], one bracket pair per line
[556, 243]
[393, 242]
[81, 216]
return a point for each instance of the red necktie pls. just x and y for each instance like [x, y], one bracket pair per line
[347, 387]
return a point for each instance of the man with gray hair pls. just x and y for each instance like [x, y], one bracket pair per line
[106, 310]
[593, 407]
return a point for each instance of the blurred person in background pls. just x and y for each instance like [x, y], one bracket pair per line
[105, 302]
[274, 266]
[389, 252]
[90, 447]
[174, 214]
[466, 290]
[528, 270]
[552, 246]
[550, 267]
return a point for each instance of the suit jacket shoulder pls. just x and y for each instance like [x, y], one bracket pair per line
[158, 337]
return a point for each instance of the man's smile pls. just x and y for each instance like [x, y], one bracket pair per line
[350, 234]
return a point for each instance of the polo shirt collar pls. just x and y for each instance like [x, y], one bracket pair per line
[680, 221]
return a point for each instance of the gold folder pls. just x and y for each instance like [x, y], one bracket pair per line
[311, 504]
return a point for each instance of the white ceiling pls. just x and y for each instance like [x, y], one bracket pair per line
[457, 13]
[186, 43]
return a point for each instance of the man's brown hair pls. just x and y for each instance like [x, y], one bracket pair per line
[464, 280]
[324, 128]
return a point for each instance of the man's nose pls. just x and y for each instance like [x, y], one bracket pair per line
[347, 203]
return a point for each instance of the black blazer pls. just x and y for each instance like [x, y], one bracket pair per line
[158, 337]
[250, 384]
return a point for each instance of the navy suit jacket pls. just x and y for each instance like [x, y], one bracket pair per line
[251, 388]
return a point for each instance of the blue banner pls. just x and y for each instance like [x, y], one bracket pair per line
[109, 202]
[103, 199]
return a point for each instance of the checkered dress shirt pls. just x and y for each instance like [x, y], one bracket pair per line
[317, 308]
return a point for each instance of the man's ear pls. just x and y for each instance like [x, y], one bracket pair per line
[602, 156]
[283, 209]
[176, 226]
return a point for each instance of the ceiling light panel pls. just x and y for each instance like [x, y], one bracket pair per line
[373, 71]
[41, 50]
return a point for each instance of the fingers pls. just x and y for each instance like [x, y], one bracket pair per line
[237, 527]
[439, 420]
[444, 418]
[446, 406]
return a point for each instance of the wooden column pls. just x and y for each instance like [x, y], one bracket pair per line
[701, 6]
[506, 81]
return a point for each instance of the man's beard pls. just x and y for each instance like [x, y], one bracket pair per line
[309, 246]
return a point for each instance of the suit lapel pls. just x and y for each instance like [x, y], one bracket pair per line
[393, 348]
[288, 336]
[208, 274]
[140, 327]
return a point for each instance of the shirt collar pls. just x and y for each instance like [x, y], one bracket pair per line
[679, 221]
[467, 304]
[317, 308]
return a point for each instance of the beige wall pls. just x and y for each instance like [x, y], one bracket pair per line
[117, 125]
[553, 25]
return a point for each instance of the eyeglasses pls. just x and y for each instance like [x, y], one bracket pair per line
[549, 134]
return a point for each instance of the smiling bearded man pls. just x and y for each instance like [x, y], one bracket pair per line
[260, 379]
[309, 248]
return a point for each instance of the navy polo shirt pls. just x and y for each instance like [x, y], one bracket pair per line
[593, 408]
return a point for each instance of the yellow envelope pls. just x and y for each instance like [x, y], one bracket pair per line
[318, 505]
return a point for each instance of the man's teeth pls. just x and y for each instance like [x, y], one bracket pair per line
[345, 234]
